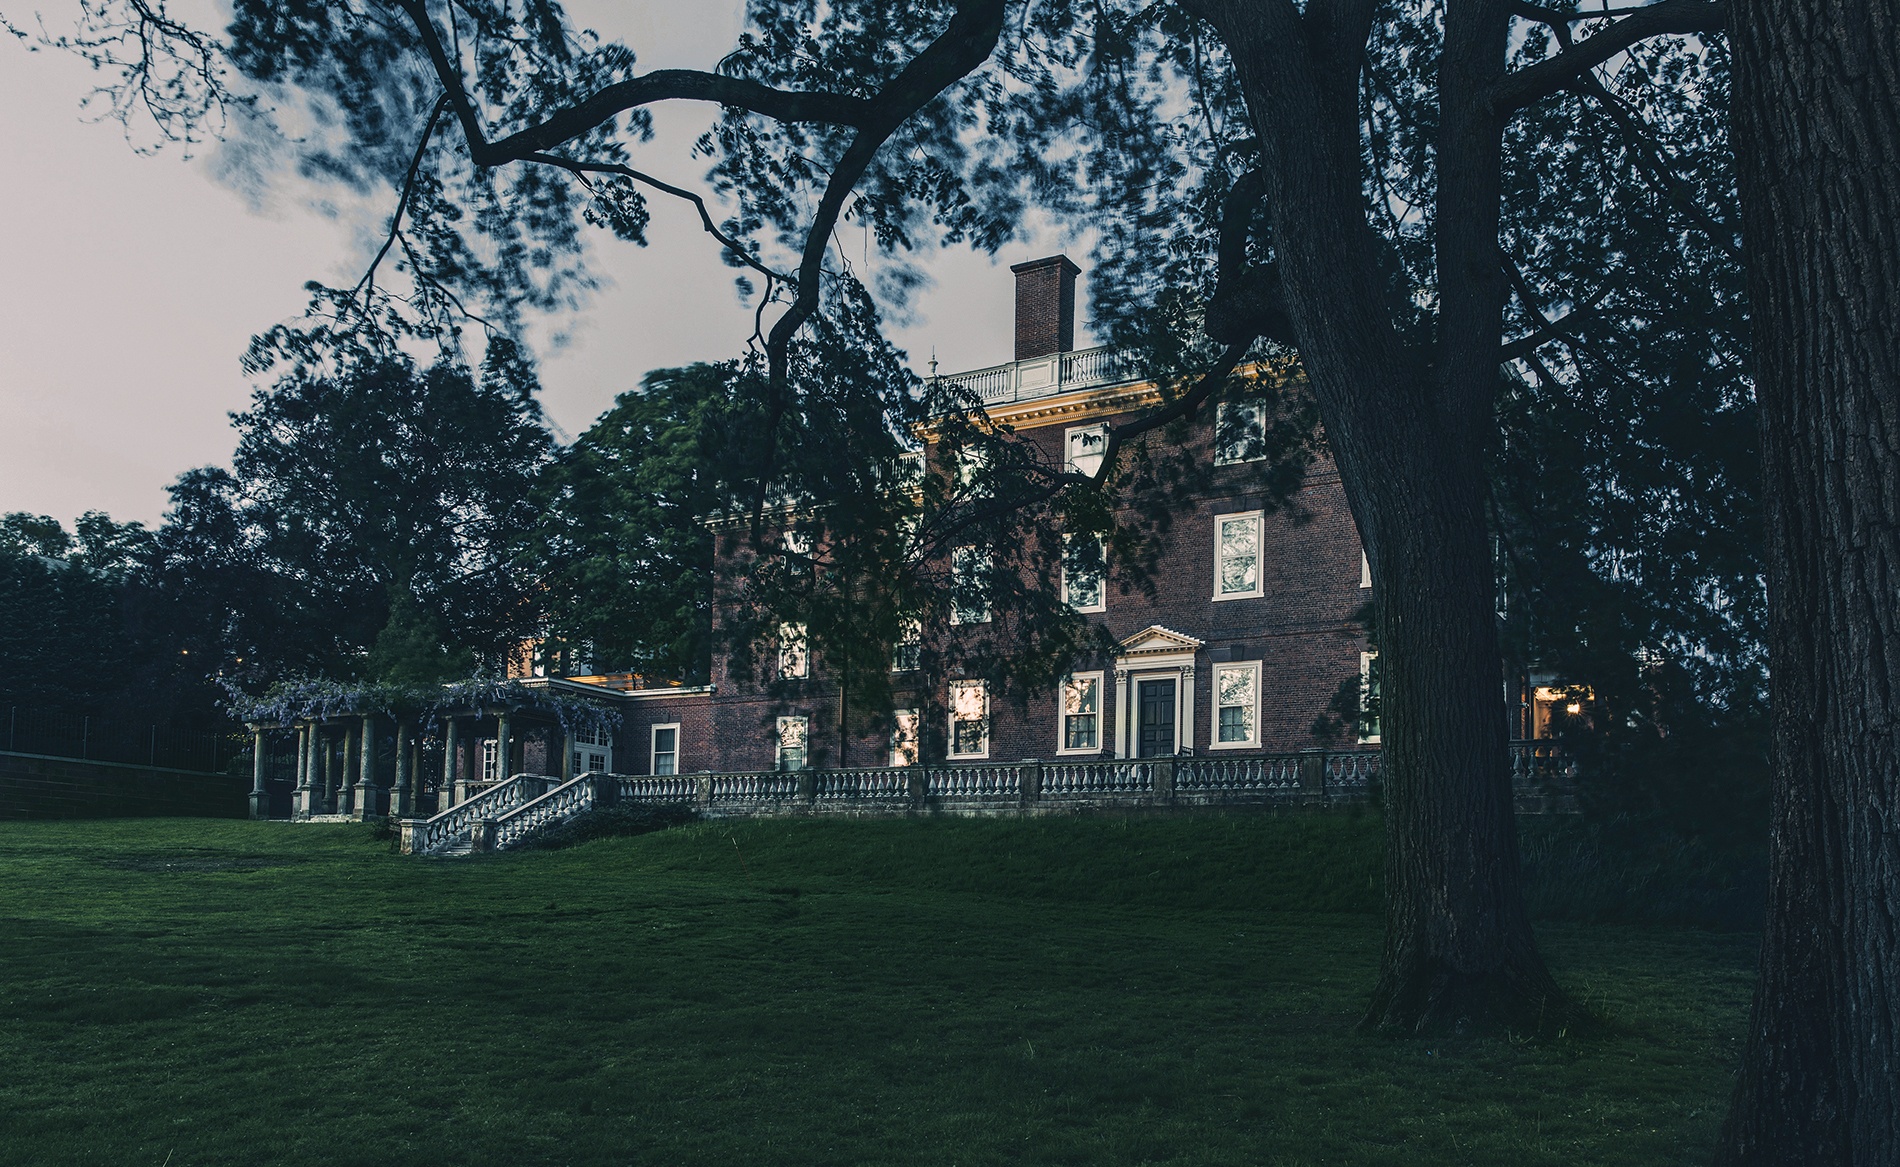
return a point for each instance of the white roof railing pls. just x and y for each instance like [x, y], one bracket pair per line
[1040, 377]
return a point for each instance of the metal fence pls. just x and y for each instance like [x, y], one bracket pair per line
[50, 733]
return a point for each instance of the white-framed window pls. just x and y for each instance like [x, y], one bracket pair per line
[666, 749]
[969, 719]
[1365, 571]
[1084, 447]
[973, 470]
[1236, 705]
[905, 737]
[491, 762]
[1081, 714]
[1369, 698]
[1237, 556]
[908, 653]
[969, 583]
[794, 658]
[1240, 432]
[792, 733]
[1084, 563]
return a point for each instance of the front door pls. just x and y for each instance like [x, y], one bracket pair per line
[1154, 719]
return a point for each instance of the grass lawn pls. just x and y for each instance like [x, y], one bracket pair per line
[934, 992]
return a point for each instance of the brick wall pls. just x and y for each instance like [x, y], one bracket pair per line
[67, 788]
[1045, 307]
[1300, 629]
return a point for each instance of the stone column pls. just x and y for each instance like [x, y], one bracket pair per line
[1185, 739]
[501, 746]
[352, 766]
[1124, 715]
[313, 742]
[260, 800]
[465, 768]
[401, 803]
[451, 770]
[326, 750]
[566, 739]
[300, 799]
[367, 795]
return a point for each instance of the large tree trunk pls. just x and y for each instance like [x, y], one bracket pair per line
[1817, 133]
[1410, 433]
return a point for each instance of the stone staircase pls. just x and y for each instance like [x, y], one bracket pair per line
[504, 814]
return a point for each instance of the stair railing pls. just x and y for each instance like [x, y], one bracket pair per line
[569, 798]
[434, 834]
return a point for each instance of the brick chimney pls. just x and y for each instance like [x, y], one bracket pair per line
[1045, 306]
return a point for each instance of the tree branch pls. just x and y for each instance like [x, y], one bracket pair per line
[408, 191]
[1247, 301]
[615, 99]
[1530, 85]
[966, 43]
[579, 167]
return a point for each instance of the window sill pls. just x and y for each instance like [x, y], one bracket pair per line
[1241, 596]
[1249, 745]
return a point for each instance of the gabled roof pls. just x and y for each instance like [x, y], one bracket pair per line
[1154, 640]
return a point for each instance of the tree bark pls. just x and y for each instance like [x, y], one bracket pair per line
[1817, 137]
[1410, 434]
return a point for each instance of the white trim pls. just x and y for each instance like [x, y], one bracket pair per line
[951, 744]
[653, 748]
[1068, 447]
[1258, 518]
[1365, 570]
[898, 717]
[657, 694]
[1253, 739]
[1101, 579]
[1365, 692]
[1135, 679]
[978, 562]
[794, 646]
[778, 742]
[1223, 454]
[1101, 712]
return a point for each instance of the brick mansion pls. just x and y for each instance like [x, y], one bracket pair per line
[1239, 648]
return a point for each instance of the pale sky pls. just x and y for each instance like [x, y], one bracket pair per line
[130, 284]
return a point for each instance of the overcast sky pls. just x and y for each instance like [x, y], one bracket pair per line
[130, 284]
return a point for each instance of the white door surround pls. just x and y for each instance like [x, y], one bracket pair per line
[1155, 653]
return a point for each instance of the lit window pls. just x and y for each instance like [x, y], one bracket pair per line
[1237, 705]
[969, 719]
[791, 742]
[907, 653]
[1086, 447]
[1237, 556]
[1369, 697]
[666, 749]
[1082, 570]
[904, 737]
[793, 659]
[1081, 714]
[1240, 429]
[969, 583]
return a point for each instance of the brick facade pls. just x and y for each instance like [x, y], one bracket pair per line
[1300, 632]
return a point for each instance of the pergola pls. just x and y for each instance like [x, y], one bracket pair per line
[361, 753]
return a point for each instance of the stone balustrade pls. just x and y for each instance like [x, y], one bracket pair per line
[503, 816]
